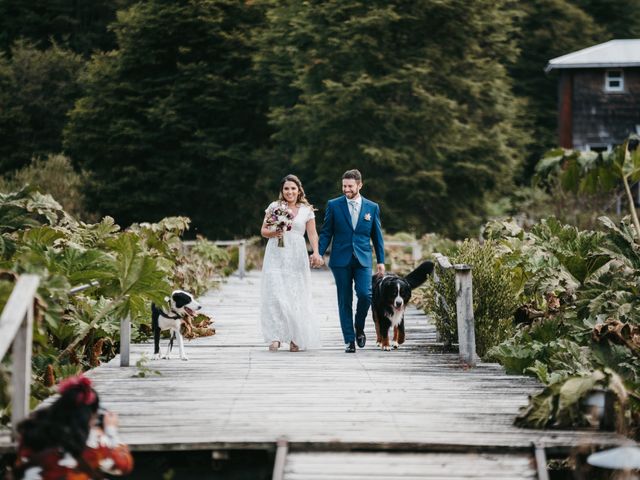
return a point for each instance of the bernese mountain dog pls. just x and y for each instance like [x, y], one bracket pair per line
[390, 296]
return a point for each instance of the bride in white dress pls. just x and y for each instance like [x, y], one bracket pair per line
[287, 315]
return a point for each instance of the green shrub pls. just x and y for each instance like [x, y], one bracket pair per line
[134, 267]
[53, 175]
[495, 296]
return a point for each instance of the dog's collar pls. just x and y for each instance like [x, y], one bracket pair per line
[166, 315]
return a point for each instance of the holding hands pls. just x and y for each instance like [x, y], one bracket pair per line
[316, 260]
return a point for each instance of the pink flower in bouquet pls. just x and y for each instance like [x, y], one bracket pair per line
[280, 219]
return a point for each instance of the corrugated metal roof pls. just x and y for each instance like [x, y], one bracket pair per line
[614, 53]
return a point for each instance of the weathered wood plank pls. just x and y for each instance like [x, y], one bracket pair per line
[16, 327]
[233, 393]
[392, 466]
[19, 302]
[464, 314]
[125, 341]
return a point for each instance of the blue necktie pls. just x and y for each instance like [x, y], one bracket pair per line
[353, 207]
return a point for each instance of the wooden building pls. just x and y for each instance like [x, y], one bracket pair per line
[598, 95]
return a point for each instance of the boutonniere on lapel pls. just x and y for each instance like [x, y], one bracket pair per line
[367, 217]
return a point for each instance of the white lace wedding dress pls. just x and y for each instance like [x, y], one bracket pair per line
[287, 312]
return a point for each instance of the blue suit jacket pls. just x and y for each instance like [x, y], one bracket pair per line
[347, 240]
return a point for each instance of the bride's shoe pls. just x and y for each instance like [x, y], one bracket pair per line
[275, 345]
[293, 347]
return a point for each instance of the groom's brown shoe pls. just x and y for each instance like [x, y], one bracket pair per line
[361, 339]
[350, 348]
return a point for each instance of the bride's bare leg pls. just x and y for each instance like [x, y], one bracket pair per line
[275, 345]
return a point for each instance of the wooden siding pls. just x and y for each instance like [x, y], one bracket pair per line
[603, 118]
[566, 109]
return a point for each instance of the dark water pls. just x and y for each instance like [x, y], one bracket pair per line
[197, 465]
[193, 465]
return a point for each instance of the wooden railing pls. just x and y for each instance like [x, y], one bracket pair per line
[125, 341]
[416, 248]
[282, 449]
[16, 331]
[464, 298]
[80, 288]
[125, 323]
[125, 326]
[464, 308]
[242, 251]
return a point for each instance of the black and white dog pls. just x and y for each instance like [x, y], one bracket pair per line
[390, 296]
[181, 304]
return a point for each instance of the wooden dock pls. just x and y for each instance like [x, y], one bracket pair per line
[411, 404]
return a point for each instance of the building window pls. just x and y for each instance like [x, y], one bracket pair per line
[598, 147]
[614, 81]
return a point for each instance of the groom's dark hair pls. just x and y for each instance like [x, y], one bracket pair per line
[353, 175]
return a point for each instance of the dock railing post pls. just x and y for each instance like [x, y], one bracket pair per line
[242, 258]
[242, 252]
[21, 371]
[16, 333]
[416, 252]
[125, 341]
[464, 307]
[541, 461]
[281, 459]
[464, 314]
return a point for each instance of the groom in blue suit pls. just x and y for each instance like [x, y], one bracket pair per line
[353, 223]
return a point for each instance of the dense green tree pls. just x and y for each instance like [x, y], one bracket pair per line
[170, 122]
[37, 88]
[547, 29]
[82, 26]
[619, 19]
[413, 93]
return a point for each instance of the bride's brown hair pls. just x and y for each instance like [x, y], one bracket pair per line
[301, 195]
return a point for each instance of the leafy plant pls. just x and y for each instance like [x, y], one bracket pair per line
[134, 267]
[592, 276]
[593, 172]
[495, 296]
[561, 404]
[143, 369]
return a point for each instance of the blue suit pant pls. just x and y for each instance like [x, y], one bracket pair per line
[345, 278]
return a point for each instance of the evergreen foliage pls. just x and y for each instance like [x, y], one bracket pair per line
[81, 26]
[619, 19]
[37, 89]
[191, 105]
[414, 94]
[547, 29]
[171, 121]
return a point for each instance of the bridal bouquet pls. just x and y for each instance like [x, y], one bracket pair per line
[279, 219]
